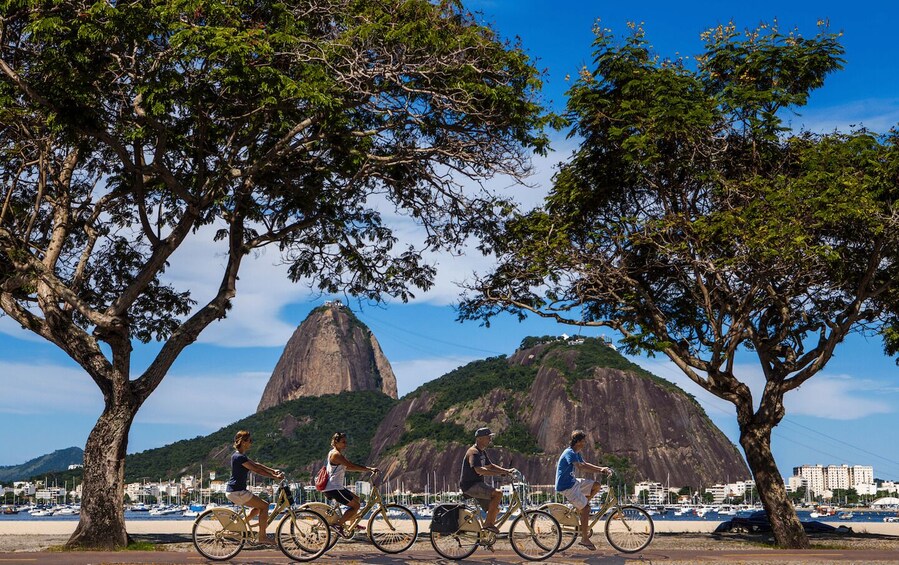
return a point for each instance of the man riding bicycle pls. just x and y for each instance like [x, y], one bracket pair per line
[578, 491]
[475, 466]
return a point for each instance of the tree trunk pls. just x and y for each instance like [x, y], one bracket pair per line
[788, 530]
[102, 523]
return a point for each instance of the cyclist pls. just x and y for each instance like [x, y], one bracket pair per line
[236, 489]
[578, 491]
[337, 466]
[475, 466]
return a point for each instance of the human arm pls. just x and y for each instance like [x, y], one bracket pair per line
[263, 470]
[337, 458]
[583, 466]
[490, 469]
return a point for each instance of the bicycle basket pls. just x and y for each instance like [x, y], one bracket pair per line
[446, 518]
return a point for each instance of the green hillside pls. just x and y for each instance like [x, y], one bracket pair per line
[52, 462]
[478, 378]
[292, 436]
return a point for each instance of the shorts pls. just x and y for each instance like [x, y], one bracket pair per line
[480, 492]
[343, 496]
[577, 494]
[240, 496]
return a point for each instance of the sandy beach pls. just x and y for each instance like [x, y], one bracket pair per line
[174, 535]
[171, 527]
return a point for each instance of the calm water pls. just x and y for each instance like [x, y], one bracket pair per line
[858, 516]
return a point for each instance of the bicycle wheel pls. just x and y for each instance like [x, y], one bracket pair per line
[303, 535]
[455, 546]
[535, 535]
[629, 529]
[393, 528]
[570, 531]
[219, 534]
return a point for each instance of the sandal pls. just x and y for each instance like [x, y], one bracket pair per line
[587, 544]
[493, 529]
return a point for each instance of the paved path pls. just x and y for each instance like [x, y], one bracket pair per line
[423, 557]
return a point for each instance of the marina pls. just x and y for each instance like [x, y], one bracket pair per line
[845, 517]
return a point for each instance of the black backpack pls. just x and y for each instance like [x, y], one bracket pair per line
[446, 518]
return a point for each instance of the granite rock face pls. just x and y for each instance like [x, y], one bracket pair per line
[661, 431]
[329, 353]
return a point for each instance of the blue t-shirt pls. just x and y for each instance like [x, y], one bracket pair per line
[565, 470]
[239, 473]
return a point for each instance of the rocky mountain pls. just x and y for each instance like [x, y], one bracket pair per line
[329, 353]
[644, 426]
[59, 460]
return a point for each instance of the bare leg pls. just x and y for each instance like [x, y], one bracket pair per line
[585, 520]
[260, 507]
[354, 506]
[493, 509]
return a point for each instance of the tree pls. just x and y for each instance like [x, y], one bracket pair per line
[694, 222]
[128, 129]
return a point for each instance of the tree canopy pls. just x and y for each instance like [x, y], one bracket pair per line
[127, 129]
[696, 222]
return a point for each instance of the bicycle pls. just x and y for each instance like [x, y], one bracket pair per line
[534, 534]
[392, 528]
[302, 534]
[628, 528]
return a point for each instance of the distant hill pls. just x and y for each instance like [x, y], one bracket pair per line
[645, 427]
[293, 436]
[642, 425]
[59, 460]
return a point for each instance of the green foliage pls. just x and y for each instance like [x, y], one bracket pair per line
[693, 222]
[623, 471]
[475, 380]
[315, 420]
[130, 127]
[517, 437]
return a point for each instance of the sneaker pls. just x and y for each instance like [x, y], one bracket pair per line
[493, 529]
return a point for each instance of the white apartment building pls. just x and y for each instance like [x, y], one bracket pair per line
[813, 475]
[23, 488]
[721, 492]
[655, 492]
[796, 482]
[822, 480]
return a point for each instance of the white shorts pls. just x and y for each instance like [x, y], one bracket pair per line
[240, 497]
[578, 494]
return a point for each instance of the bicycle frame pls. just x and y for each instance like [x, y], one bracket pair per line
[331, 513]
[282, 504]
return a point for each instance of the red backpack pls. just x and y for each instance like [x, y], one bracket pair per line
[321, 479]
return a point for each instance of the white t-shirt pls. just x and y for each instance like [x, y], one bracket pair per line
[336, 474]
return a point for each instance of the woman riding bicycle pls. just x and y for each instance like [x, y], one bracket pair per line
[236, 489]
[337, 465]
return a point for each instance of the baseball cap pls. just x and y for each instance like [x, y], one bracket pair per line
[483, 432]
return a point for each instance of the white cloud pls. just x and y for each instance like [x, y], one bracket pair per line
[48, 389]
[206, 401]
[828, 396]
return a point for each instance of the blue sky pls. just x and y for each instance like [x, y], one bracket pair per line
[846, 414]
